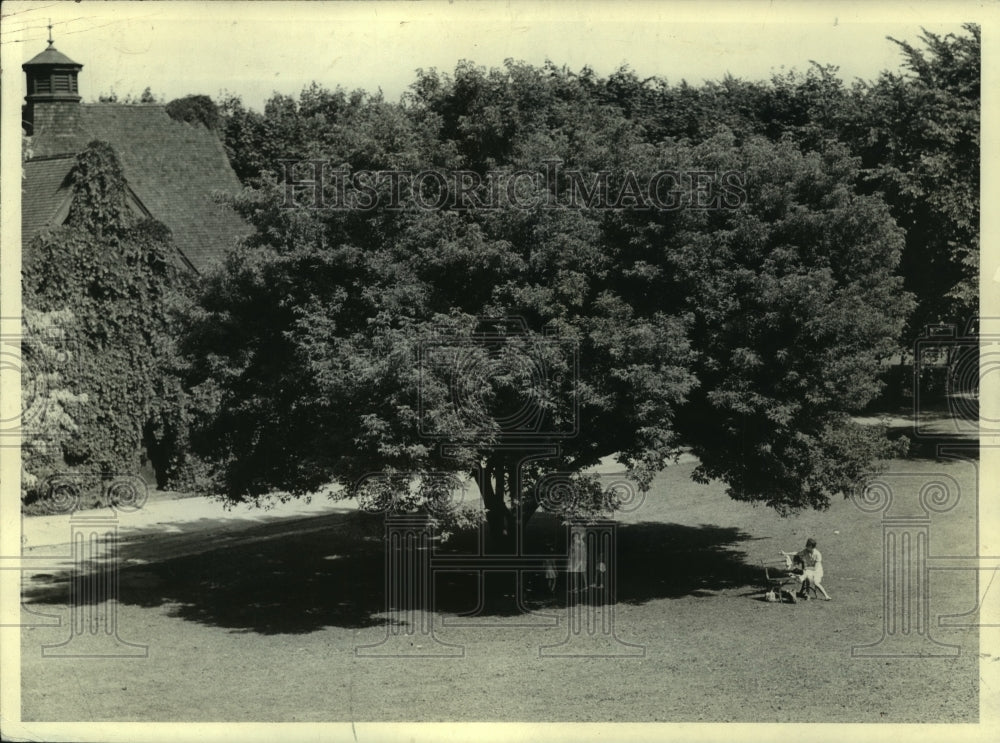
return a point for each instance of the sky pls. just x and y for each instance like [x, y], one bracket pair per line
[254, 49]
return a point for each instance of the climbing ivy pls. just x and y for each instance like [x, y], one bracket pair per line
[48, 405]
[115, 272]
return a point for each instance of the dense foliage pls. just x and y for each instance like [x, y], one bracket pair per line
[411, 340]
[114, 274]
[919, 141]
[195, 109]
[746, 333]
[48, 404]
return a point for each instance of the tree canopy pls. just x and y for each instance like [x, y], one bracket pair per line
[342, 341]
[918, 135]
[195, 109]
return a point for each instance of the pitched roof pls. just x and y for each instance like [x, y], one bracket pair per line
[173, 167]
[51, 56]
[45, 193]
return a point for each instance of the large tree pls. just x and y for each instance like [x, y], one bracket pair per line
[340, 342]
[918, 135]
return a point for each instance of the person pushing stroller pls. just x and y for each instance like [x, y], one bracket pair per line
[807, 565]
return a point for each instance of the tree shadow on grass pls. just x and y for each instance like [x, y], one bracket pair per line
[653, 560]
[301, 575]
[927, 442]
[292, 576]
[658, 560]
[938, 430]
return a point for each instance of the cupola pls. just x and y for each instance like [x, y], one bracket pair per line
[53, 101]
[52, 76]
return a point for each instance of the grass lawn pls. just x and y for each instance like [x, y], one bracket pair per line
[262, 625]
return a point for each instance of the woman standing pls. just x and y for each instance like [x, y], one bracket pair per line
[812, 568]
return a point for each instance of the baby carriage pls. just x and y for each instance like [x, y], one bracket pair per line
[783, 582]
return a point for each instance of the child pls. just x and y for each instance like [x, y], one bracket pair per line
[576, 565]
[550, 575]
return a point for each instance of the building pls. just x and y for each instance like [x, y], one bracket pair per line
[173, 169]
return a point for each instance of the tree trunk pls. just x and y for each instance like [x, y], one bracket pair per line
[500, 485]
[494, 483]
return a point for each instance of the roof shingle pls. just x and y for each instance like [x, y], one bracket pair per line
[173, 167]
[45, 190]
[51, 56]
